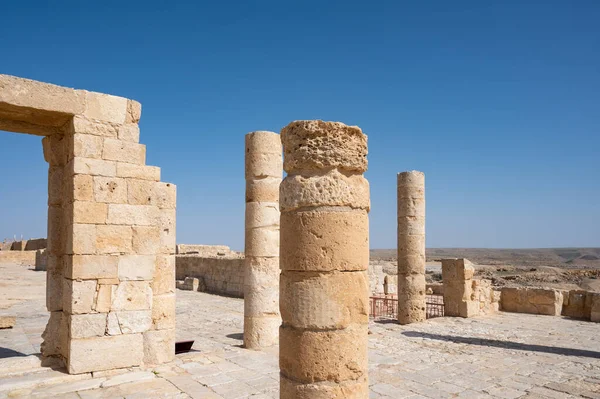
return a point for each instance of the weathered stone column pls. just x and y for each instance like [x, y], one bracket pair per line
[411, 247]
[261, 268]
[324, 292]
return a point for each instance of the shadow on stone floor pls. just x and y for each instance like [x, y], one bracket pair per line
[6, 353]
[505, 344]
[239, 336]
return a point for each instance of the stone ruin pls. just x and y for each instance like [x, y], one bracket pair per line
[111, 227]
[110, 255]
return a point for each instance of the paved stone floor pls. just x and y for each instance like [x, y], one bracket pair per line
[502, 356]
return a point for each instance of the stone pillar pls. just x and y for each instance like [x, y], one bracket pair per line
[261, 264]
[411, 247]
[324, 259]
[457, 275]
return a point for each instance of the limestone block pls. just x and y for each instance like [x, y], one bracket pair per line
[7, 322]
[135, 321]
[261, 332]
[129, 132]
[167, 220]
[261, 300]
[105, 353]
[89, 212]
[136, 267]
[134, 111]
[140, 215]
[411, 264]
[412, 207]
[112, 324]
[412, 310]
[96, 128]
[140, 192]
[78, 296]
[262, 215]
[82, 188]
[55, 149]
[163, 312]
[94, 167]
[190, 284]
[164, 195]
[81, 239]
[595, 308]
[312, 356]
[132, 295]
[47, 98]
[87, 146]
[110, 190]
[113, 239]
[159, 346]
[103, 298]
[325, 241]
[85, 267]
[310, 145]
[87, 325]
[411, 225]
[57, 230]
[413, 179]
[263, 142]
[266, 189]
[330, 189]
[358, 389]
[141, 172]
[457, 269]
[105, 107]
[124, 151]
[262, 242]
[261, 271]
[40, 260]
[411, 285]
[146, 239]
[55, 335]
[324, 301]
[260, 165]
[55, 185]
[164, 275]
[410, 244]
[54, 283]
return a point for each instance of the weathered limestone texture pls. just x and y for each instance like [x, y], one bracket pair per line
[203, 250]
[261, 268]
[41, 260]
[111, 227]
[457, 275]
[220, 274]
[324, 284]
[532, 300]
[25, 258]
[577, 304]
[411, 247]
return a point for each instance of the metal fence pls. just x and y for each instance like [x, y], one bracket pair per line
[386, 307]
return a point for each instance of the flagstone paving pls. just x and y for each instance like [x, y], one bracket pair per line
[507, 355]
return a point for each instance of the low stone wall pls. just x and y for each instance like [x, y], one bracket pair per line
[532, 300]
[463, 295]
[29, 245]
[203, 250]
[40, 260]
[221, 274]
[25, 258]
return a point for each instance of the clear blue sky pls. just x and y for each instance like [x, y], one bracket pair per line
[497, 102]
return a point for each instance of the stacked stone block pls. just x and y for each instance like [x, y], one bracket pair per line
[324, 288]
[411, 247]
[457, 275]
[111, 228]
[261, 269]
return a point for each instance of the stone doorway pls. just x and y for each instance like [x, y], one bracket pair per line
[111, 228]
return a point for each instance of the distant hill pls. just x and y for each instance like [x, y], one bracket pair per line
[575, 258]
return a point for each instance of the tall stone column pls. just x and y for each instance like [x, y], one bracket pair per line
[411, 247]
[324, 292]
[261, 276]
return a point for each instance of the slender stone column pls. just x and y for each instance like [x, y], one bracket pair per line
[324, 290]
[411, 247]
[261, 276]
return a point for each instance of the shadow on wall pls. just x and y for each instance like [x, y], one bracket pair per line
[504, 344]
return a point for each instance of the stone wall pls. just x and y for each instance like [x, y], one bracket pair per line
[532, 300]
[25, 258]
[463, 295]
[221, 274]
[203, 250]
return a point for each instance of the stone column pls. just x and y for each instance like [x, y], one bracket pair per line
[411, 247]
[261, 267]
[324, 259]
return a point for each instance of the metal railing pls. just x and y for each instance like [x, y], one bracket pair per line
[386, 306]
